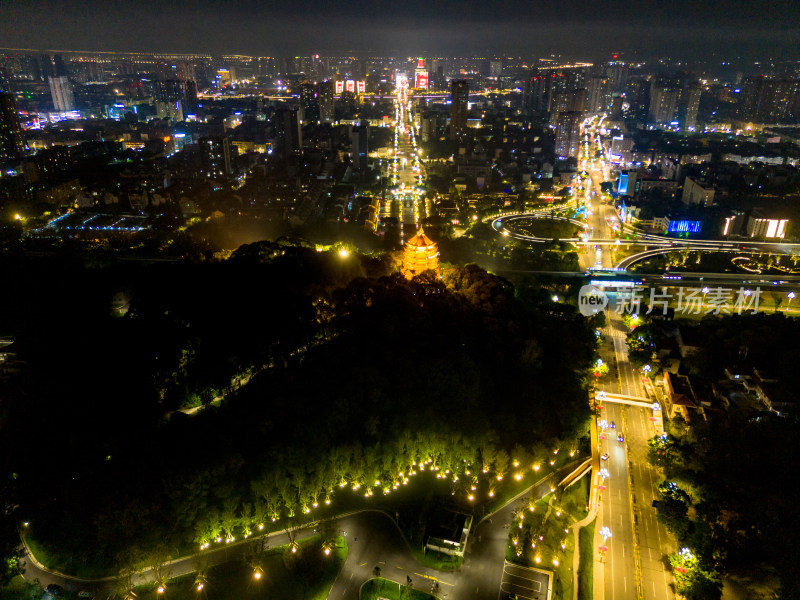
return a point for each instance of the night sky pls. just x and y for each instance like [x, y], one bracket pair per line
[576, 28]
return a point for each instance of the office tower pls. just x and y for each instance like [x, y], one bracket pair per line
[360, 141]
[216, 157]
[325, 98]
[12, 141]
[495, 68]
[598, 94]
[287, 131]
[309, 103]
[61, 91]
[459, 98]
[568, 133]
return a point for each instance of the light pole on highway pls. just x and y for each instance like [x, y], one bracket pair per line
[606, 533]
[790, 296]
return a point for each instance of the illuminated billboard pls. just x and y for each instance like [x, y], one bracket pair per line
[684, 227]
[421, 80]
[622, 184]
[361, 87]
[339, 87]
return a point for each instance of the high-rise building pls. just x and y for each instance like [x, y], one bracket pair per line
[690, 104]
[360, 141]
[287, 131]
[639, 101]
[568, 134]
[770, 100]
[663, 104]
[175, 90]
[567, 101]
[459, 98]
[12, 141]
[309, 102]
[325, 97]
[216, 157]
[61, 91]
[495, 68]
[598, 95]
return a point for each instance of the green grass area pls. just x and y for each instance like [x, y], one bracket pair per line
[307, 575]
[437, 560]
[66, 563]
[19, 589]
[586, 570]
[549, 543]
[546, 228]
[379, 587]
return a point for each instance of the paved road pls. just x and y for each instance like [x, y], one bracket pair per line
[615, 576]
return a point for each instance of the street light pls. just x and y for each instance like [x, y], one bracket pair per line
[790, 296]
[606, 533]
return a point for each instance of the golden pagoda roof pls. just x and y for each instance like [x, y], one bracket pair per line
[420, 240]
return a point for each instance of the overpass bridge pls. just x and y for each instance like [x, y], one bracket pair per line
[604, 397]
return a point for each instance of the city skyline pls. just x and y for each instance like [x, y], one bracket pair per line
[681, 29]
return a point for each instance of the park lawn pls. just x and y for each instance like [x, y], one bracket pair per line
[586, 571]
[308, 575]
[379, 587]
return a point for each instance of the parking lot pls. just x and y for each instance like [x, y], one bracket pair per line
[523, 583]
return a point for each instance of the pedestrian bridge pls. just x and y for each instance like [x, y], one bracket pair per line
[602, 397]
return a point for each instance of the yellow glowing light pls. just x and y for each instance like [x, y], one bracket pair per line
[200, 586]
[260, 527]
[518, 477]
[471, 497]
[555, 561]
[257, 574]
[160, 589]
[327, 551]
[538, 560]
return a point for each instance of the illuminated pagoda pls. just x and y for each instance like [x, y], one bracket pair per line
[421, 253]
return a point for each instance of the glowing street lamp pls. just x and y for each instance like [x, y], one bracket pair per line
[790, 296]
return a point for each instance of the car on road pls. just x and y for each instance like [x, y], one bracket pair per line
[604, 457]
[613, 425]
[620, 438]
